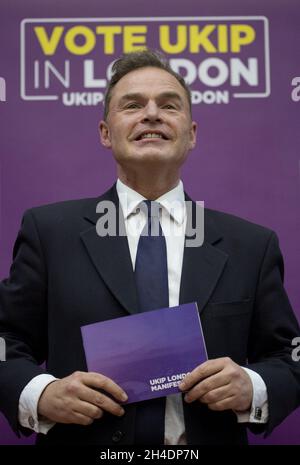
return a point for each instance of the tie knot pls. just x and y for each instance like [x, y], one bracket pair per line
[150, 208]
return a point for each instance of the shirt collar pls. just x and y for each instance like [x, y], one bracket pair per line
[173, 201]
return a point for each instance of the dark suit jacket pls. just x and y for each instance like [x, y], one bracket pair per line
[64, 276]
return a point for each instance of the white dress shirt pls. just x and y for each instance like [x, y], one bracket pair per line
[173, 223]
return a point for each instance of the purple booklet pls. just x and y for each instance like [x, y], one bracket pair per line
[149, 353]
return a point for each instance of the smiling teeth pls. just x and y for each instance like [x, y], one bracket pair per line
[149, 135]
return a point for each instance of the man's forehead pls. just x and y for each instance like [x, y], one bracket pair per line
[148, 79]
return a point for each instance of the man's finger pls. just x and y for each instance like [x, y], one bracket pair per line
[225, 404]
[88, 410]
[80, 419]
[216, 395]
[206, 386]
[98, 381]
[206, 369]
[100, 400]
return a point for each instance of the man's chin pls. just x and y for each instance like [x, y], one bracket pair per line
[151, 155]
[152, 161]
[146, 158]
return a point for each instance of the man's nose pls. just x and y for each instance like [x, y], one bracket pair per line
[152, 112]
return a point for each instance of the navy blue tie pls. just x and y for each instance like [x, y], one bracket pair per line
[151, 275]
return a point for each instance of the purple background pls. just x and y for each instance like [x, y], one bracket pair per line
[246, 161]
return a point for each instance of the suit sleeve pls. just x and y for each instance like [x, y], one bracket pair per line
[274, 327]
[23, 319]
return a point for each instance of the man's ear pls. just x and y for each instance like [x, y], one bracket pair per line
[193, 134]
[104, 134]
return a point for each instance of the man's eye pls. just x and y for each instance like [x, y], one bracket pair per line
[132, 105]
[169, 106]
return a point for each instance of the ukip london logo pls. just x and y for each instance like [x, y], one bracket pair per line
[69, 60]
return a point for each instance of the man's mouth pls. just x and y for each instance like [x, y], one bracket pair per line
[151, 135]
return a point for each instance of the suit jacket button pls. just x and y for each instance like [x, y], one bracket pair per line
[117, 436]
[31, 422]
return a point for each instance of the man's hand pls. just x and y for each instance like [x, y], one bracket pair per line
[75, 399]
[219, 383]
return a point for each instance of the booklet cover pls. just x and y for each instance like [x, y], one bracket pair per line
[148, 353]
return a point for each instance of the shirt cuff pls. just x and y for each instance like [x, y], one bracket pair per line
[28, 402]
[259, 412]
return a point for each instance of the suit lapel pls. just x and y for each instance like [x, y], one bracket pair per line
[202, 266]
[111, 256]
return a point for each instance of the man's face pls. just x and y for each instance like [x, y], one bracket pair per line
[149, 120]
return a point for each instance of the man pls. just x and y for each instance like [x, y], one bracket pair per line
[65, 276]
